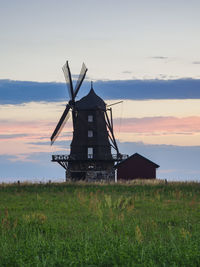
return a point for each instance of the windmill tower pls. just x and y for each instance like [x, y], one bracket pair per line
[90, 156]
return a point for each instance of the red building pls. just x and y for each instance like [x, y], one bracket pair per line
[136, 167]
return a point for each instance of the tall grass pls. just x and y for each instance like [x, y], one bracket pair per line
[100, 225]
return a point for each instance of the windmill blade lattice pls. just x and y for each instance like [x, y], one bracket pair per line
[68, 79]
[80, 79]
[72, 95]
[64, 118]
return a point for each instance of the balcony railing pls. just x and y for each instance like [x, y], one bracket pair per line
[114, 157]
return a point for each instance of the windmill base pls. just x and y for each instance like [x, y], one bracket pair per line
[87, 170]
[91, 176]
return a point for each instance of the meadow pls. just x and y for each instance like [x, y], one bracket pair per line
[77, 224]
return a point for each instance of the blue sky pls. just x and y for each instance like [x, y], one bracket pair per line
[143, 52]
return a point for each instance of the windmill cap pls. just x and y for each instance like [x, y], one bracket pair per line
[91, 101]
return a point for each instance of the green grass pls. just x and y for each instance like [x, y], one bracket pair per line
[100, 225]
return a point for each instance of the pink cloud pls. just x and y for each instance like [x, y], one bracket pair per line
[22, 138]
[29, 130]
[42, 130]
[152, 125]
[25, 137]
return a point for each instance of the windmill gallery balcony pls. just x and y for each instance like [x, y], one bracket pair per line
[83, 157]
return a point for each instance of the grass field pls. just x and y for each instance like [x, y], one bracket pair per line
[100, 225]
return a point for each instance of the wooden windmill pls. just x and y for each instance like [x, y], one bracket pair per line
[90, 157]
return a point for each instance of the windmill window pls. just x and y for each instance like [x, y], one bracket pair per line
[90, 133]
[91, 167]
[90, 118]
[90, 152]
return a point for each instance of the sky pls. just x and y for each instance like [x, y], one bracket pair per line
[145, 53]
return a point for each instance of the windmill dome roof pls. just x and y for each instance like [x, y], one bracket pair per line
[91, 101]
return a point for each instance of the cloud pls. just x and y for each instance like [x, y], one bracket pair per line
[159, 57]
[162, 76]
[164, 125]
[28, 131]
[15, 129]
[64, 144]
[127, 72]
[149, 89]
[12, 136]
[18, 92]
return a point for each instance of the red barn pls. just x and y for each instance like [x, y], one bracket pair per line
[136, 166]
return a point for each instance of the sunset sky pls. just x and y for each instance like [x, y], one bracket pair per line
[145, 53]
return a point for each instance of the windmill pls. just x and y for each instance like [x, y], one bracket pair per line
[90, 156]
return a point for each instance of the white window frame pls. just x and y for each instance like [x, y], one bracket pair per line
[90, 133]
[90, 118]
[90, 152]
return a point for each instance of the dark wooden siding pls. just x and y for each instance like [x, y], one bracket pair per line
[99, 142]
[134, 168]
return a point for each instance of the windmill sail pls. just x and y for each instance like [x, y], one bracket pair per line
[68, 79]
[80, 79]
[72, 95]
[65, 116]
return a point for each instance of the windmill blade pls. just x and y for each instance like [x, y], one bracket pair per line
[65, 116]
[115, 103]
[80, 79]
[109, 124]
[68, 79]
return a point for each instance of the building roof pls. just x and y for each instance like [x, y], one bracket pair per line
[90, 101]
[136, 155]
